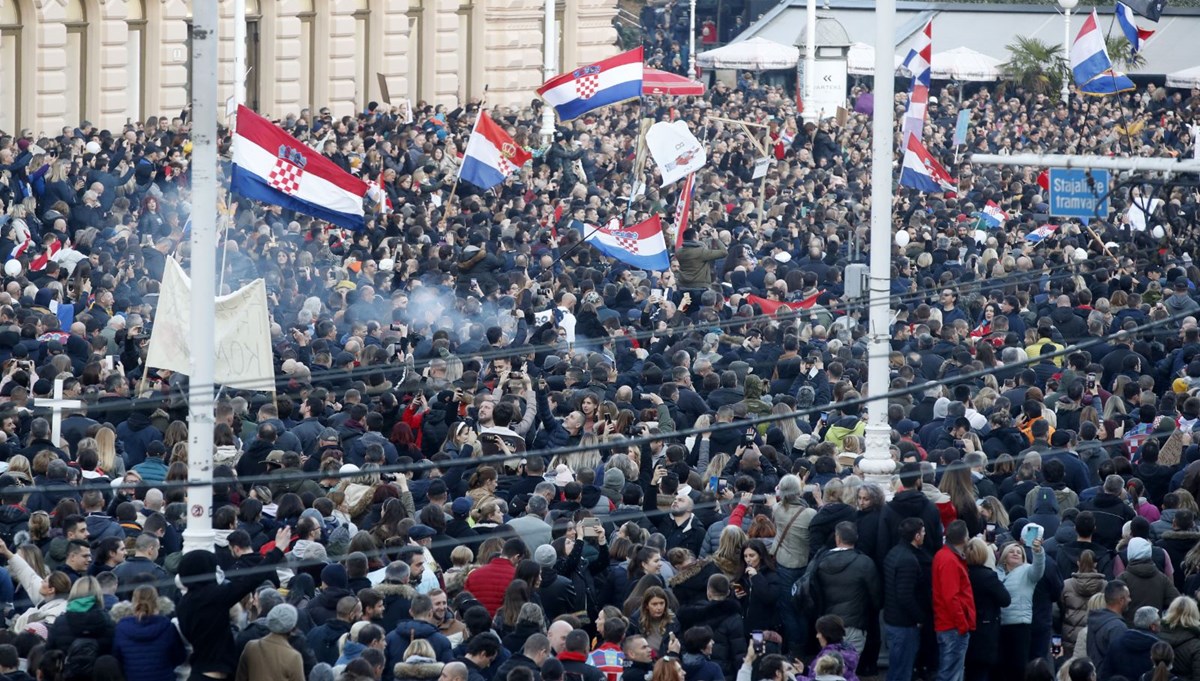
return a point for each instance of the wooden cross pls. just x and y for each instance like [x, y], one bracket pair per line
[57, 404]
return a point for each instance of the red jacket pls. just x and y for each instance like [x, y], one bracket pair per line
[953, 600]
[488, 582]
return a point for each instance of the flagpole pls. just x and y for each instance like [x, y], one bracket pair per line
[458, 175]
[639, 160]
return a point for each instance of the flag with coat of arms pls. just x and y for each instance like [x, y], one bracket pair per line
[491, 154]
[642, 245]
[921, 171]
[587, 88]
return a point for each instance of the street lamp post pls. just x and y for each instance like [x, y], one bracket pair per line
[692, 43]
[549, 60]
[1067, 6]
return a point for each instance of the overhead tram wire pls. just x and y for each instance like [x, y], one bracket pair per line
[782, 315]
[637, 441]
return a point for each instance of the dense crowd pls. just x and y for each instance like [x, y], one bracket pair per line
[496, 455]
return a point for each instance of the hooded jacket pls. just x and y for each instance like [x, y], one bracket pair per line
[136, 433]
[728, 627]
[406, 632]
[204, 610]
[1147, 586]
[1186, 644]
[1077, 590]
[911, 503]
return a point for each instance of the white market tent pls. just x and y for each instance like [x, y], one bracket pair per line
[755, 54]
[860, 61]
[1187, 78]
[965, 64]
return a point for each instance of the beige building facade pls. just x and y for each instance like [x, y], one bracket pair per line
[109, 61]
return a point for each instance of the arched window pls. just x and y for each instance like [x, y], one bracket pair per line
[135, 59]
[76, 21]
[11, 56]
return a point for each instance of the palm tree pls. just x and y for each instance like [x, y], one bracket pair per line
[1121, 53]
[1035, 65]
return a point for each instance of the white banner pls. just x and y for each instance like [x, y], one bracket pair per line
[243, 334]
[676, 150]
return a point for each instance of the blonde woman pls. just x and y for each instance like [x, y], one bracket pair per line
[111, 462]
[20, 468]
[1181, 629]
[26, 576]
[1020, 577]
[85, 616]
[728, 556]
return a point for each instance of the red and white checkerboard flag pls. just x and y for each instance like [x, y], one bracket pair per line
[271, 166]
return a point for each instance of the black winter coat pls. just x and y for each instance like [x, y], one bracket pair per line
[558, 594]
[910, 503]
[990, 598]
[846, 584]
[324, 607]
[690, 584]
[1111, 515]
[397, 598]
[908, 586]
[820, 529]
[764, 592]
[728, 626]
[94, 624]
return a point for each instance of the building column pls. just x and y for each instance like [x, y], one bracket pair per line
[344, 96]
[513, 35]
[172, 58]
[114, 74]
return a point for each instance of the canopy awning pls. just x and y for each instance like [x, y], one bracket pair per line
[755, 54]
[655, 82]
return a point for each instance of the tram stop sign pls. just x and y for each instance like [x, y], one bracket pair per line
[1073, 196]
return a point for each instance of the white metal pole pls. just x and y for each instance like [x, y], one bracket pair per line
[549, 70]
[810, 60]
[1066, 83]
[239, 51]
[1133, 163]
[877, 463]
[199, 533]
[692, 44]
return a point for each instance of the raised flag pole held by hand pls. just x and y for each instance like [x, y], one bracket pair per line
[458, 175]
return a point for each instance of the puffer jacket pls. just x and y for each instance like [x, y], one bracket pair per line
[1147, 586]
[690, 584]
[846, 584]
[1080, 587]
[76, 623]
[1020, 584]
[1186, 644]
[417, 668]
[149, 648]
[487, 583]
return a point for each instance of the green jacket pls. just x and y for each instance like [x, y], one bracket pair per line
[695, 264]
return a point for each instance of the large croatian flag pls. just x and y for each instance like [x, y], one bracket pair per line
[1090, 64]
[1133, 33]
[921, 171]
[271, 166]
[590, 87]
[642, 245]
[491, 154]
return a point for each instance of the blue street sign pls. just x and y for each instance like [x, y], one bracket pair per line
[1073, 196]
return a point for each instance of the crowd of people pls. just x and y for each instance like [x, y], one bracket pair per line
[497, 455]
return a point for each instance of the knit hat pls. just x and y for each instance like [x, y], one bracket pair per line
[334, 575]
[321, 672]
[614, 479]
[1139, 549]
[282, 619]
[545, 555]
[563, 475]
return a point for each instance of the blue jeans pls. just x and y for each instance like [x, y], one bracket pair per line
[903, 643]
[952, 655]
[794, 623]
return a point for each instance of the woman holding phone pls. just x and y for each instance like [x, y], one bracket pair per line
[1020, 578]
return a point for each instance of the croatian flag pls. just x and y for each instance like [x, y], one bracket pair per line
[1089, 58]
[683, 208]
[1041, 233]
[642, 245]
[491, 155]
[920, 63]
[273, 167]
[1136, 36]
[921, 171]
[591, 87]
[992, 215]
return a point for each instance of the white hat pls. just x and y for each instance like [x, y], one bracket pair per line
[563, 475]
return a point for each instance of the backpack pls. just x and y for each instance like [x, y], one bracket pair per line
[81, 658]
